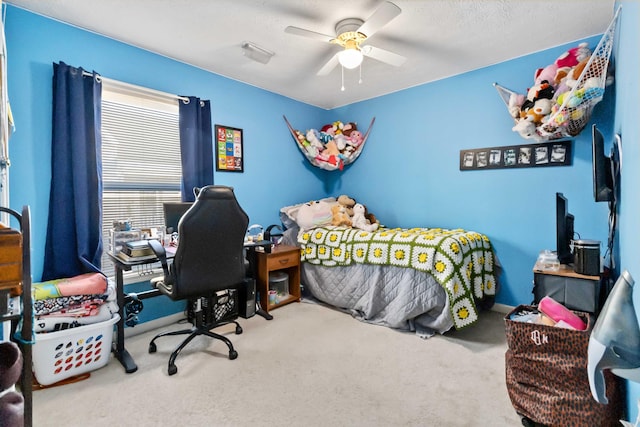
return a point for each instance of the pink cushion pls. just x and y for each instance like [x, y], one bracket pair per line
[558, 312]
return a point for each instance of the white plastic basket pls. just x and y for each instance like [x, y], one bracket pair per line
[63, 354]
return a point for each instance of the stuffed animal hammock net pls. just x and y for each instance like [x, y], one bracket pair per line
[570, 99]
[333, 146]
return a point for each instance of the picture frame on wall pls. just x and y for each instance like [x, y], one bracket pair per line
[229, 149]
[555, 153]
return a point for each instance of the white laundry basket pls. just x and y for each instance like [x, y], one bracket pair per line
[63, 354]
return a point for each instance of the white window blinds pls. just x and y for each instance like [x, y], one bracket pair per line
[140, 159]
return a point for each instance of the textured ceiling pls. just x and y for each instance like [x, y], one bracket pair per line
[439, 38]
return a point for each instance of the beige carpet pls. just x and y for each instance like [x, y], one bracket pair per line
[310, 366]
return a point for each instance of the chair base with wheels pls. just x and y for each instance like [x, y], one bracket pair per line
[205, 315]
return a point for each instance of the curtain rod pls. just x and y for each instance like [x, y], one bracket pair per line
[136, 88]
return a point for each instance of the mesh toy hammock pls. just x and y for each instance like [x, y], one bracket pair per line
[572, 109]
[332, 162]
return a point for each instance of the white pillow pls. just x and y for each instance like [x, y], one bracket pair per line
[314, 214]
[288, 214]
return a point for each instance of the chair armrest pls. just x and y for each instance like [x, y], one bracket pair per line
[161, 253]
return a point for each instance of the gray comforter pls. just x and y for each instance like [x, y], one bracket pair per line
[400, 298]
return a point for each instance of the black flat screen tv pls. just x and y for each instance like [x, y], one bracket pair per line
[564, 230]
[602, 173]
[173, 211]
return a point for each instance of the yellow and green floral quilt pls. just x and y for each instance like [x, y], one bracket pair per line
[461, 261]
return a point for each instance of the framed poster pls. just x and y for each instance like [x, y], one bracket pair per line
[229, 150]
[556, 153]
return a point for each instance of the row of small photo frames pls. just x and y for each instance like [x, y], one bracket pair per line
[557, 153]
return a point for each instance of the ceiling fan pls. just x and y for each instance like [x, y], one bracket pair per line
[351, 35]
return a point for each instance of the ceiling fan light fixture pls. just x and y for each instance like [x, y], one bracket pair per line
[350, 58]
[255, 52]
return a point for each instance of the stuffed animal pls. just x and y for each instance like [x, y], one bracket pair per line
[370, 217]
[356, 138]
[540, 109]
[525, 127]
[515, 104]
[313, 136]
[328, 129]
[571, 80]
[348, 128]
[571, 100]
[573, 56]
[359, 221]
[340, 216]
[547, 73]
[560, 81]
[539, 91]
[306, 145]
[331, 149]
[341, 141]
[337, 127]
[347, 202]
[592, 88]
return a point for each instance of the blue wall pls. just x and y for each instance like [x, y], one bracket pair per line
[408, 174]
[275, 172]
[626, 125]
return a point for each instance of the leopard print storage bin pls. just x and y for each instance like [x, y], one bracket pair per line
[547, 380]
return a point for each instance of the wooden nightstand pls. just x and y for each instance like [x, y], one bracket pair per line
[281, 258]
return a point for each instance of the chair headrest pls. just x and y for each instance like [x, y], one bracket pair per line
[215, 192]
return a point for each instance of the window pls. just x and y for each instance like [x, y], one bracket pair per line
[140, 158]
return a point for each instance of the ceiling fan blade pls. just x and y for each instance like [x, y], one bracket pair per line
[329, 66]
[381, 17]
[383, 55]
[307, 33]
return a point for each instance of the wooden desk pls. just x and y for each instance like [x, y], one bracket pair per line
[282, 258]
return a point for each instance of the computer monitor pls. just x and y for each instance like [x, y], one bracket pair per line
[173, 211]
[602, 173]
[564, 230]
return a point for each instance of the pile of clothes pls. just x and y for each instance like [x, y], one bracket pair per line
[71, 302]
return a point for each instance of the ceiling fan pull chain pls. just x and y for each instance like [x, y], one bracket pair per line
[360, 80]
[342, 68]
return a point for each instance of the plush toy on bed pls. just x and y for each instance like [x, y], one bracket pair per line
[340, 216]
[348, 203]
[359, 221]
[370, 217]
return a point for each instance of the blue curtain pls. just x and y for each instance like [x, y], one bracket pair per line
[74, 238]
[196, 146]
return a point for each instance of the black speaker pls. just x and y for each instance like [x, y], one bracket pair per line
[247, 299]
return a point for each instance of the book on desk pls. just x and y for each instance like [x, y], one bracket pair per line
[138, 248]
[142, 252]
[128, 258]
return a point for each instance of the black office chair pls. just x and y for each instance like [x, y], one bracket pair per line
[208, 267]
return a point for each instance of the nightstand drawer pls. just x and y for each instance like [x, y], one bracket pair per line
[276, 261]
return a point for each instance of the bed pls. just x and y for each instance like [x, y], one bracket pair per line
[427, 280]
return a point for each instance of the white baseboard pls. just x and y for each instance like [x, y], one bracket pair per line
[502, 308]
[153, 324]
[174, 318]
